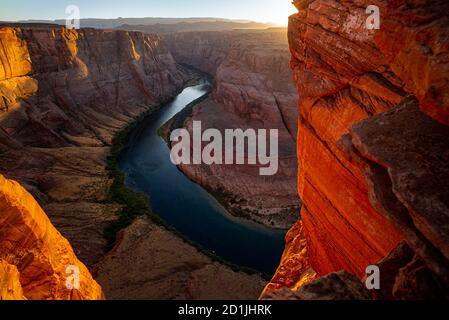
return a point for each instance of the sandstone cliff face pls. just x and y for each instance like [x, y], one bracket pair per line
[373, 164]
[63, 95]
[34, 257]
[10, 287]
[253, 89]
[95, 74]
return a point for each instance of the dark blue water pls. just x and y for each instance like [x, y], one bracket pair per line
[188, 207]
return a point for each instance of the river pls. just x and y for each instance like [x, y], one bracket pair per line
[185, 205]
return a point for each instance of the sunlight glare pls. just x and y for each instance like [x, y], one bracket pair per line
[284, 9]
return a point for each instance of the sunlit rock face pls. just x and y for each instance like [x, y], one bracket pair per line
[63, 95]
[102, 77]
[253, 89]
[34, 257]
[10, 287]
[372, 142]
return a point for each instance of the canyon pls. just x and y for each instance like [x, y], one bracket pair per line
[253, 89]
[369, 155]
[65, 95]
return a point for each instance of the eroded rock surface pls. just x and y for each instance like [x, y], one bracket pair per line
[10, 287]
[409, 178]
[335, 286]
[34, 256]
[372, 142]
[63, 96]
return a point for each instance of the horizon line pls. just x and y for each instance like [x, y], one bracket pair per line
[237, 20]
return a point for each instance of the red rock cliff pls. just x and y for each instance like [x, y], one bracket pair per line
[34, 257]
[372, 143]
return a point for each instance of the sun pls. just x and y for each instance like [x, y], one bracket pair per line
[283, 9]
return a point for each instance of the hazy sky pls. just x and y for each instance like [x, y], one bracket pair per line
[258, 10]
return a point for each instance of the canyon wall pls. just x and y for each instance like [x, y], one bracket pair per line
[205, 51]
[63, 96]
[372, 146]
[34, 257]
[253, 89]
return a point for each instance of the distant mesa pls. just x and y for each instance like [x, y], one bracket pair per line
[155, 25]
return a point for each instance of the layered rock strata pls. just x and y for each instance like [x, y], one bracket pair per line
[63, 96]
[372, 143]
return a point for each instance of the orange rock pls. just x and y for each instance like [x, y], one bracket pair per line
[341, 80]
[294, 270]
[14, 58]
[372, 168]
[413, 40]
[10, 287]
[40, 254]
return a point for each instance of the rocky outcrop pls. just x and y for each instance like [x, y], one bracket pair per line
[34, 257]
[410, 187]
[95, 74]
[372, 142]
[63, 95]
[253, 89]
[294, 270]
[10, 287]
[335, 286]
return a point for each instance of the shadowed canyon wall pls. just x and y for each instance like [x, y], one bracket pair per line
[372, 147]
[253, 89]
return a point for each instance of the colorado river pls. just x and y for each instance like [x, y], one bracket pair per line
[185, 205]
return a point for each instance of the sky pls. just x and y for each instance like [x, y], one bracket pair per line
[276, 11]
